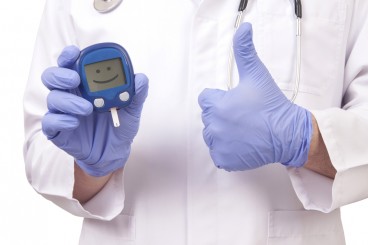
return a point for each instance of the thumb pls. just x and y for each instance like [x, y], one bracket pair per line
[245, 54]
[141, 92]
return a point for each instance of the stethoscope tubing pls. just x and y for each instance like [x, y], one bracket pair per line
[298, 58]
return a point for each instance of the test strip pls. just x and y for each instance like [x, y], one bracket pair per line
[115, 117]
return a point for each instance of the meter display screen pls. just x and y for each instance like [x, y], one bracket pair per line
[105, 74]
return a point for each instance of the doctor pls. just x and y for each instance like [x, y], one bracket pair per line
[289, 166]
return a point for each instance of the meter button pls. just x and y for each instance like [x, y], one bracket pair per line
[99, 102]
[124, 96]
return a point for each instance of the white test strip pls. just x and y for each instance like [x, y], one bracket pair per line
[115, 117]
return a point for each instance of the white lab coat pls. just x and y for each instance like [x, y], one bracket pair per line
[171, 193]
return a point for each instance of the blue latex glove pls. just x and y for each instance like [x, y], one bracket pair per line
[253, 124]
[90, 137]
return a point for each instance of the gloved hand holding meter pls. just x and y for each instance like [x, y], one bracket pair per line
[100, 78]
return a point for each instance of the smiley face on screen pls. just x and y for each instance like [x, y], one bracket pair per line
[104, 74]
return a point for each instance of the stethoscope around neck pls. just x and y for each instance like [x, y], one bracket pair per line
[298, 13]
[104, 6]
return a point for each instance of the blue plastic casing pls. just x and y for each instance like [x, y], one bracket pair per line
[103, 52]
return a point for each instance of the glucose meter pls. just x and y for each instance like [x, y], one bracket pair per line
[107, 77]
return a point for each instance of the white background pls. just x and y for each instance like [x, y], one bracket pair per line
[26, 217]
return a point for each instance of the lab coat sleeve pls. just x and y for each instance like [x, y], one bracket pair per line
[50, 170]
[344, 130]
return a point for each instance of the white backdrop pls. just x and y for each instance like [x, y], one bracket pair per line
[25, 217]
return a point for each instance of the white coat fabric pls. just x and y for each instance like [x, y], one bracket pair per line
[170, 191]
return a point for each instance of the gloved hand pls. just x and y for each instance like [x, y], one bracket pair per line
[90, 137]
[253, 124]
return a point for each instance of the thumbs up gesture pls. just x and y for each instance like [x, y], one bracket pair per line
[253, 124]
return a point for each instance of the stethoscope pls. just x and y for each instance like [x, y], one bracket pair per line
[298, 13]
[104, 6]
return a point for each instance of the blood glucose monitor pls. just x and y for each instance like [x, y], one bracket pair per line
[107, 77]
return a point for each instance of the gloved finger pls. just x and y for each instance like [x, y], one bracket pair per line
[52, 124]
[68, 56]
[60, 78]
[221, 161]
[210, 97]
[245, 54]
[141, 92]
[217, 159]
[67, 103]
[207, 136]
